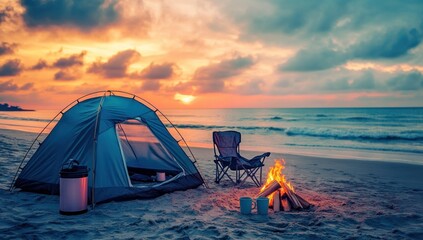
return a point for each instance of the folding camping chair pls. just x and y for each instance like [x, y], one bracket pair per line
[227, 157]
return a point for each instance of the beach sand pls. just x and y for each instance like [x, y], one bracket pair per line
[353, 199]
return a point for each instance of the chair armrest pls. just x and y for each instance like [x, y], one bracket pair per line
[264, 155]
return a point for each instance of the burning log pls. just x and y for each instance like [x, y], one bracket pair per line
[279, 191]
[292, 197]
[272, 187]
[277, 201]
[303, 202]
[285, 203]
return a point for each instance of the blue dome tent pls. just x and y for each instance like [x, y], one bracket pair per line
[122, 140]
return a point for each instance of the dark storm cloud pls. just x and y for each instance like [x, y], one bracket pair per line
[390, 44]
[308, 18]
[7, 48]
[406, 81]
[157, 71]
[11, 67]
[294, 16]
[330, 33]
[73, 60]
[211, 78]
[378, 45]
[81, 14]
[117, 65]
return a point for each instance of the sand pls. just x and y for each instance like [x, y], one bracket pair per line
[353, 199]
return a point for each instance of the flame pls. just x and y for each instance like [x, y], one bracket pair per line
[276, 173]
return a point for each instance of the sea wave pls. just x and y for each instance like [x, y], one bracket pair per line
[367, 148]
[25, 119]
[333, 133]
[355, 134]
[272, 119]
[331, 118]
[217, 127]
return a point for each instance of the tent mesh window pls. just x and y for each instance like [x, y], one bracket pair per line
[143, 153]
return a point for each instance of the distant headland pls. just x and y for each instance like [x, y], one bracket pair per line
[7, 107]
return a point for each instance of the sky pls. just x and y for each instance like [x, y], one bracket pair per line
[213, 53]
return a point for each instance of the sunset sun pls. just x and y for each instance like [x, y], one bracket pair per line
[185, 99]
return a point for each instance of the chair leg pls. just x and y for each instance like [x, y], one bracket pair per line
[221, 172]
[250, 173]
[261, 171]
[216, 174]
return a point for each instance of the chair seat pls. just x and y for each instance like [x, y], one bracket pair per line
[243, 163]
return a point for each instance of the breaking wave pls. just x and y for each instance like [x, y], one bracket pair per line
[348, 134]
[342, 134]
[218, 127]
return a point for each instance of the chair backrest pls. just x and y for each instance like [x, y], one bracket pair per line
[227, 143]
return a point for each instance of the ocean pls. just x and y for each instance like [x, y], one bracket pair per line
[384, 134]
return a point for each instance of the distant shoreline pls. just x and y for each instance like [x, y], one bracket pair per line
[7, 108]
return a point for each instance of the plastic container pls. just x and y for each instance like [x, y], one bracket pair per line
[73, 189]
[160, 176]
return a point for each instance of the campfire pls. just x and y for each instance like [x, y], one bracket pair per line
[281, 193]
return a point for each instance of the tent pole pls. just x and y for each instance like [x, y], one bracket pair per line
[100, 106]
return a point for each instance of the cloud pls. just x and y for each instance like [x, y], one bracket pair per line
[157, 71]
[277, 21]
[330, 33]
[7, 13]
[406, 81]
[211, 78]
[252, 87]
[366, 81]
[293, 16]
[117, 65]
[40, 65]
[73, 60]
[376, 45]
[81, 14]
[150, 85]
[7, 48]
[314, 59]
[11, 67]
[64, 75]
[27, 86]
[153, 73]
[8, 86]
[348, 83]
[390, 44]
[11, 86]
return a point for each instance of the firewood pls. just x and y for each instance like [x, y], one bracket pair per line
[276, 201]
[286, 206]
[292, 197]
[303, 202]
[273, 186]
